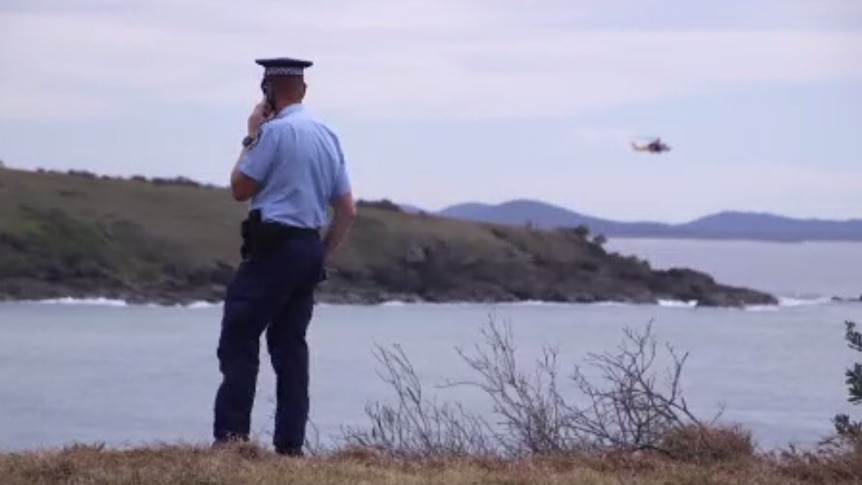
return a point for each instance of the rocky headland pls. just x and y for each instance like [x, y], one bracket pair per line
[175, 241]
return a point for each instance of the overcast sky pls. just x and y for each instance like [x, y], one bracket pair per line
[445, 101]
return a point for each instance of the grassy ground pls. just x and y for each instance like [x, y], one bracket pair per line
[187, 465]
[207, 219]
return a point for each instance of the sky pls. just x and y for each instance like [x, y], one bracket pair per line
[445, 101]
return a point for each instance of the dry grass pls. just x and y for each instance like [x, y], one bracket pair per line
[713, 444]
[251, 464]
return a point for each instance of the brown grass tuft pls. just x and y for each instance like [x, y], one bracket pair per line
[709, 444]
[835, 461]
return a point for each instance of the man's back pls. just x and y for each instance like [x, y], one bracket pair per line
[300, 167]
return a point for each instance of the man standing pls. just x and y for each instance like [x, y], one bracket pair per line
[292, 170]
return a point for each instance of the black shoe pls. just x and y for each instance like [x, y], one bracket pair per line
[229, 440]
[290, 451]
[219, 444]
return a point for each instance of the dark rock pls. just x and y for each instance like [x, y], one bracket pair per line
[416, 254]
[841, 299]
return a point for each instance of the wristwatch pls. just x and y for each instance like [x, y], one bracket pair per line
[248, 141]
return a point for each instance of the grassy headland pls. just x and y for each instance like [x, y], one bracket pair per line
[173, 241]
[189, 465]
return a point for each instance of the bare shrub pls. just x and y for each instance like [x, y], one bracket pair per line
[534, 413]
[313, 445]
[417, 426]
[637, 405]
[631, 408]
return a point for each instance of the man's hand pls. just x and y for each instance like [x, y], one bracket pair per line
[258, 117]
[243, 187]
[345, 213]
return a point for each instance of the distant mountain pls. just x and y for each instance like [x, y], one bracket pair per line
[548, 216]
[751, 225]
[518, 212]
[723, 225]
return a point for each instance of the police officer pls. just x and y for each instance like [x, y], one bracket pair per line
[292, 170]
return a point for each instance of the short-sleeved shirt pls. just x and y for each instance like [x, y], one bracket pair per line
[299, 165]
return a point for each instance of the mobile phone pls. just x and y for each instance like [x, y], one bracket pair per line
[268, 97]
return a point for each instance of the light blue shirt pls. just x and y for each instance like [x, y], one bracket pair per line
[300, 167]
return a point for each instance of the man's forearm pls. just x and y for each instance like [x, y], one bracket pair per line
[235, 170]
[336, 231]
[252, 133]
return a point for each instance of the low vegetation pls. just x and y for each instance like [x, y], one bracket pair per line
[630, 424]
[630, 408]
[249, 464]
[846, 426]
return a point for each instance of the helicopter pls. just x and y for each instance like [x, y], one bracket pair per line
[655, 146]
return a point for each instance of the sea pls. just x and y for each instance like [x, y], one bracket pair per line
[102, 371]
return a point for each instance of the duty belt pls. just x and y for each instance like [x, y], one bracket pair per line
[260, 237]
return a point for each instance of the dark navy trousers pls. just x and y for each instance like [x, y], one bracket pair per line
[272, 293]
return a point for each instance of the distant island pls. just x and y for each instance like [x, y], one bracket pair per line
[735, 225]
[81, 235]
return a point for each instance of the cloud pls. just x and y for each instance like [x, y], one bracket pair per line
[404, 59]
[28, 105]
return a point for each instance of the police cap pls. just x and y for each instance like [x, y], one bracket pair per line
[283, 66]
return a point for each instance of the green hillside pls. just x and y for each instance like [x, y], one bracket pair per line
[76, 234]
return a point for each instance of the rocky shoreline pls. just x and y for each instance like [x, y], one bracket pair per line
[325, 298]
[339, 293]
[681, 286]
[342, 287]
[350, 299]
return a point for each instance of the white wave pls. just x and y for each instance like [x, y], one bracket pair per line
[762, 308]
[611, 303]
[118, 303]
[677, 303]
[393, 303]
[81, 301]
[198, 305]
[790, 302]
[783, 302]
[797, 302]
[528, 303]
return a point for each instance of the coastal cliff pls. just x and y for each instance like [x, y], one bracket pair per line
[175, 241]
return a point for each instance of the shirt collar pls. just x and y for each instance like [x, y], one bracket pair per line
[290, 109]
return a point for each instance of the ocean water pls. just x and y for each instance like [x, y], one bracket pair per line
[103, 371]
